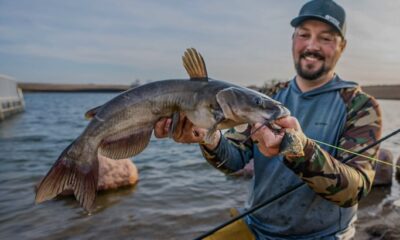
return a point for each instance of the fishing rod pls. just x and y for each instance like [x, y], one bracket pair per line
[292, 189]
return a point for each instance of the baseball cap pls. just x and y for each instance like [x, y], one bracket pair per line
[324, 10]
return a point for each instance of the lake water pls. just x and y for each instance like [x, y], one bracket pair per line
[179, 196]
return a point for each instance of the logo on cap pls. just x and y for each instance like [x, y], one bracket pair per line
[332, 20]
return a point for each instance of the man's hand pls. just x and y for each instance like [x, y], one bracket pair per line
[185, 131]
[268, 141]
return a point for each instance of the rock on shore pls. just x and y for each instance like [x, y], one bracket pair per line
[116, 173]
[113, 174]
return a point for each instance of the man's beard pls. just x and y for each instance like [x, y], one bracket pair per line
[308, 75]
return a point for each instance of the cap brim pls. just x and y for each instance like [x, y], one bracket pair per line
[300, 19]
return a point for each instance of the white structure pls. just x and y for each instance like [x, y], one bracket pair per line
[11, 98]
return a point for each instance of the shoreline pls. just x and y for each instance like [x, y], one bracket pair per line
[49, 87]
[378, 91]
[383, 91]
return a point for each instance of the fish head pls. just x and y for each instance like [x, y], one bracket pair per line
[244, 105]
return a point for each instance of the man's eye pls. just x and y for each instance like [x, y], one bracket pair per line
[303, 35]
[327, 38]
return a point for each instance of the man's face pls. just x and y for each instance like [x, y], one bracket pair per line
[316, 49]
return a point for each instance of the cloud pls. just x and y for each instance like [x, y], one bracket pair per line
[245, 42]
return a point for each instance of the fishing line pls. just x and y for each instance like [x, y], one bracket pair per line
[245, 140]
[292, 189]
[326, 144]
[361, 155]
[251, 134]
[268, 124]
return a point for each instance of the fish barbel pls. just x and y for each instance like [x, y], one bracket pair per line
[122, 127]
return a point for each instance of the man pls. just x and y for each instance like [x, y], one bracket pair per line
[325, 108]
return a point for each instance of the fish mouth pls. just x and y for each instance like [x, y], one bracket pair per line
[281, 112]
[271, 123]
[273, 126]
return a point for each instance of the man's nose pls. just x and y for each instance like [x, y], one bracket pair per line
[313, 44]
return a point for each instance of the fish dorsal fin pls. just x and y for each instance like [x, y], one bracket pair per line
[92, 112]
[194, 65]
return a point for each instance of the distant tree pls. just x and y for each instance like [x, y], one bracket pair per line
[136, 83]
[270, 84]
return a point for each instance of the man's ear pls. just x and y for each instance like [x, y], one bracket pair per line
[343, 44]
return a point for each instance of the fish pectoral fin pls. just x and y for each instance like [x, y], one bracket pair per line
[92, 112]
[219, 118]
[210, 136]
[127, 143]
[194, 65]
[174, 124]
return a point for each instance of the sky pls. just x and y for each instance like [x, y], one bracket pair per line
[244, 42]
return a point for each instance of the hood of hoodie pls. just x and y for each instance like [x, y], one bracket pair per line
[335, 84]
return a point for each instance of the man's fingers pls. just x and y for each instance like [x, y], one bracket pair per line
[167, 125]
[288, 122]
[184, 132]
[161, 127]
[268, 141]
[179, 130]
[199, 134]
[188, 133]
[259, 130]
[257, 125]
[196, 133]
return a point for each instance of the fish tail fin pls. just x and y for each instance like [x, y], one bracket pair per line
[66, 174]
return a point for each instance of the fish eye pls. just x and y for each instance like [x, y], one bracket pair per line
[258, 101]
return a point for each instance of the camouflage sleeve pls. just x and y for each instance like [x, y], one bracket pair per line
[344, 183]
[233, 151]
